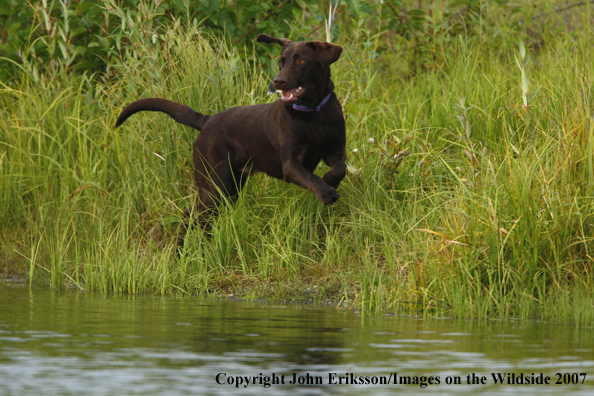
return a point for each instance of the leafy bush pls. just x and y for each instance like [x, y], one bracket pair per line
[47, 38]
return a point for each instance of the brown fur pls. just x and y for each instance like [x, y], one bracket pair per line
[272, 138]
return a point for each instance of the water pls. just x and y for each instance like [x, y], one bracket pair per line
[74, 343]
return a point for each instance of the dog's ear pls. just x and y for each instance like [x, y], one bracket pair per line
[264, 38]
[327, 52]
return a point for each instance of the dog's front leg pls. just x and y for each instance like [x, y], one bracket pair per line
[336, 161]
[294, 172]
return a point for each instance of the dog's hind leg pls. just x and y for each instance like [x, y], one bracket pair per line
[214, 177]
[209, 200]
[185, 226]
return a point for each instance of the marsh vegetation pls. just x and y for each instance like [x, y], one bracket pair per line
[470, 153]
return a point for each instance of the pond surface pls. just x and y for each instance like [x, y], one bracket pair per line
[76, 343]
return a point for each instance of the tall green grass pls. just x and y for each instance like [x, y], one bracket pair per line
[460, 199]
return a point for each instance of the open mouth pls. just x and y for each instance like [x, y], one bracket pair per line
[291, 95]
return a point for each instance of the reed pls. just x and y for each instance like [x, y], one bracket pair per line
[470, 187]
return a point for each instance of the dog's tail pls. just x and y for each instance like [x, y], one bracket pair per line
[179, 112]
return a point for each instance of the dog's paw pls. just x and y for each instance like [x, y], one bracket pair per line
[328, 195]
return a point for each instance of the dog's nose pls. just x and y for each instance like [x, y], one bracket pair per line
[280, 82]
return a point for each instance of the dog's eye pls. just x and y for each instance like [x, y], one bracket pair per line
[300, 61]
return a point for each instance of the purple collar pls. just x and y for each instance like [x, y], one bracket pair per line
[303, 108]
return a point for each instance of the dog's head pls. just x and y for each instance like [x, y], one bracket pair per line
[304, 67]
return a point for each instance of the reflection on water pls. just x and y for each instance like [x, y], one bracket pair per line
[74, 343]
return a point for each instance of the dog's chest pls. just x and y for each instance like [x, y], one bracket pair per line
[313, 129]
[313, 136]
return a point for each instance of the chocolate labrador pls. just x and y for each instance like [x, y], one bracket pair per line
[285, 139]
